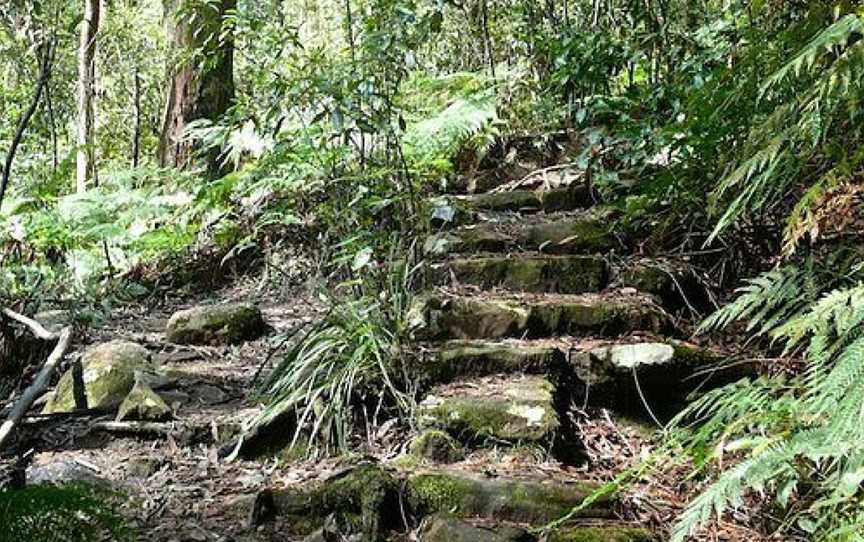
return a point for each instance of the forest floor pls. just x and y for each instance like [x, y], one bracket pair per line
[176, 489]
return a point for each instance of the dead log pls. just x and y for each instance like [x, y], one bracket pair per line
[37, 388]
[34, 326]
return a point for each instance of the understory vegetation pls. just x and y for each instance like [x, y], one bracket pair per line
[727, 132]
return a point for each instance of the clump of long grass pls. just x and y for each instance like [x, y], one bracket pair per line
[346, 375]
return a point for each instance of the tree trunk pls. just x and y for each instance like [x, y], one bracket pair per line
[86, 167]
[201, 88]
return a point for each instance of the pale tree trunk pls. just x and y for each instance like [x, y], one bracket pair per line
[85, 160]
[202, 88]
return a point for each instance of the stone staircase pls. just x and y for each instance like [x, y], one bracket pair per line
[534, 308]
[530, 316]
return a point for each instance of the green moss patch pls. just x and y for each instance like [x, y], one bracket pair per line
[517, 409]
[602, 534]
[504, 500]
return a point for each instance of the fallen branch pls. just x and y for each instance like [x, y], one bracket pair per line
[34, 326]
[139, 428]
[37, 388]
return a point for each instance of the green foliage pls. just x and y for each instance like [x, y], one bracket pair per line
[67, 513]
[344, 376]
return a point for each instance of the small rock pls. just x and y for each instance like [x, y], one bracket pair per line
[228, 323]
[109, 371]
[143, 403]
[59, 471]
[436, 446]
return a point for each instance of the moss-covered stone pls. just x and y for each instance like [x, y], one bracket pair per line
[483, 238]
[554, 274]
[557, 199]
[516, 409]
[109, 374]
[591, 232]
[481, 318]
[227, 323]
[436, 446]
[586, 232]
[646, 277]
[518, 501]
[482, 358]
[362, 499]
[610, 533]
[143, 403]
[493, 318]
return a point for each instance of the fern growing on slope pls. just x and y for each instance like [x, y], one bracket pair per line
[797, 435]
[817, 93]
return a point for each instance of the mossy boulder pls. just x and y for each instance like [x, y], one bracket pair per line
[228, 323]
[436, 446]
[540, 274]
[482, 358]
[519, 501]
[109, 371]
[144, 404]
[609, 533]
[514, 409]
[446, 528]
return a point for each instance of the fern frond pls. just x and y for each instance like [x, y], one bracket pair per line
[836, 35]
[765, 301]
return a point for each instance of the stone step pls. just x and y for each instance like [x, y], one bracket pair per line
[538, 273]
[362, 500]
[444, 316]
[445, 362]
[449, 528]
[458, 210]
[527, 501]
[621, 374]
[509, 408]
[588, 231]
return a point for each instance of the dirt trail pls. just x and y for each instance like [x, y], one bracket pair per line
[177, 489]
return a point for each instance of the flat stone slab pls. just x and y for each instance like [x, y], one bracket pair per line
[455, 359]
[533, 273]
[366, 496]
[227, 323]
[604, 533]
[458, 210]
[512, 408]
[493, 317]
[585, 232]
